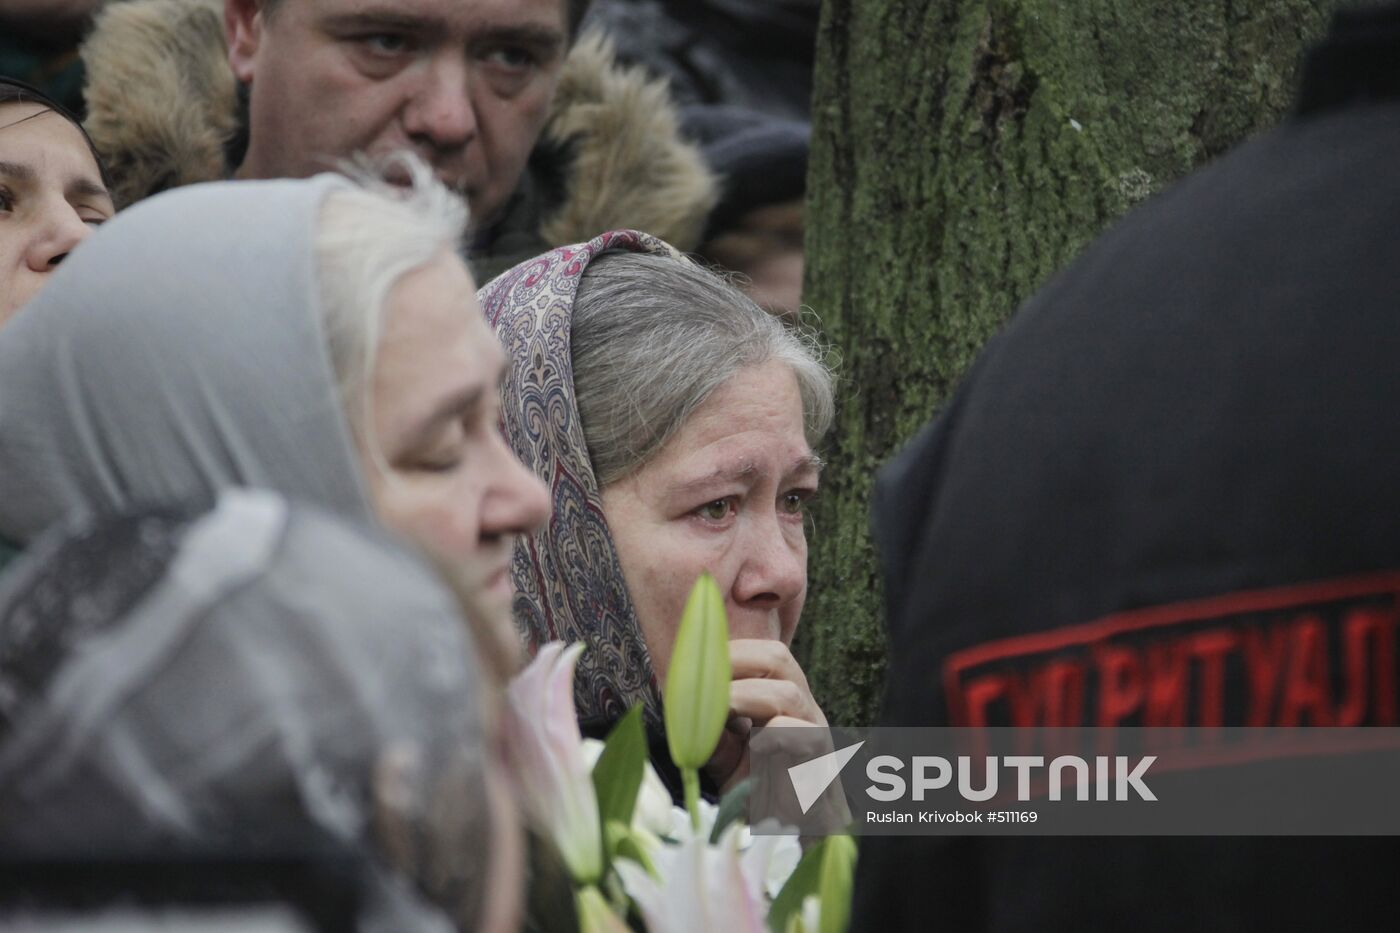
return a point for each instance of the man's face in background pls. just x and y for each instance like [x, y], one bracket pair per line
[466, 84]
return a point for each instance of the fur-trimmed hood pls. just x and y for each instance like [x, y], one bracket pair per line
[163, 106]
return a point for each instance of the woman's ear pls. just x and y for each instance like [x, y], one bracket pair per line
[243, 26]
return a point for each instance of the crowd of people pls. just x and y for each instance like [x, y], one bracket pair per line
[350, 352]
[292, 378]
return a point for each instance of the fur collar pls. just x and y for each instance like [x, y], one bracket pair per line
[163, 106]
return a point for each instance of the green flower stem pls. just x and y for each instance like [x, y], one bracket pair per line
[690, 777]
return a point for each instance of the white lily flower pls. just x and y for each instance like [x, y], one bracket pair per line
[549, 762]
[679, 824]
[699, 888]
[654, 805]
[652, 814]
[773, 858]
[592, 751]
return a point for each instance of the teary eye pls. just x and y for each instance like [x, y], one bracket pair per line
[716, 511]
[795, 502]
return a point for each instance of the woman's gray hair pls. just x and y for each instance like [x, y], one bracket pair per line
[653, 336]
[369, 237]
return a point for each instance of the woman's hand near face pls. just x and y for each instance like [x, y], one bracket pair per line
[767, 688]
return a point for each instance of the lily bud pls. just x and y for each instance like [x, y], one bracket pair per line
[697, 681]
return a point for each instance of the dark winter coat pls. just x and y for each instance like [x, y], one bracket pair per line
[753, 54]
[164, 111]
[1201, 407]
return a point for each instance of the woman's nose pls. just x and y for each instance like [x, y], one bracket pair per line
[518, 502]
[772, 567]
[60, 231]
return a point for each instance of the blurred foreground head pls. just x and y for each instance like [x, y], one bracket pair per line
[263, 684]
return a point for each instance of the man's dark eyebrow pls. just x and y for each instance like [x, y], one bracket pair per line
[387, 21]
[539, 37]
[542, 38]
[18, 171]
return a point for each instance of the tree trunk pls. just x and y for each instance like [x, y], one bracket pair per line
[962, 151]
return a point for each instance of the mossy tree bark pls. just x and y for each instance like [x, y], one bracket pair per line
[962, 151]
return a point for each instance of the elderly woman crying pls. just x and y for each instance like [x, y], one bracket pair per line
[675, 423]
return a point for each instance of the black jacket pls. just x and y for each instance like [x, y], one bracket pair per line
[1202, 406]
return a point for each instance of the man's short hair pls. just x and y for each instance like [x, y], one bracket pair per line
[576, 10]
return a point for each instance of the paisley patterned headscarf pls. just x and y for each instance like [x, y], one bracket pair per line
[568, 581]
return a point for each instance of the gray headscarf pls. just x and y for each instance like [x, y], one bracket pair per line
[177, 352]
[236, 682]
